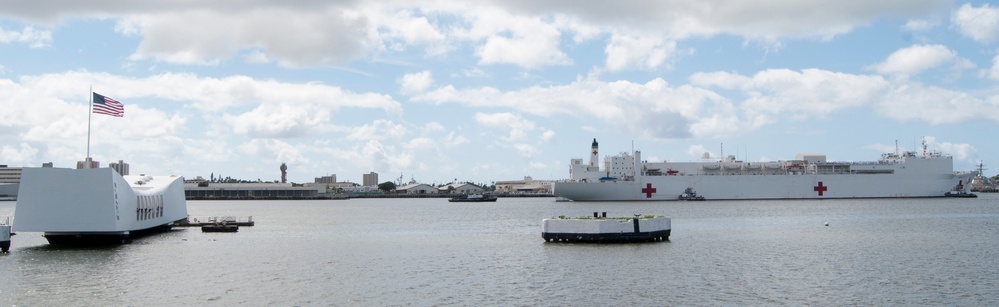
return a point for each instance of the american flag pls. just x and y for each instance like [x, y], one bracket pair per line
[108, 106]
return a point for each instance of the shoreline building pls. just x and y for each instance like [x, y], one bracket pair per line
[528, 185]
[88, 163]
[460, 188]
[10, 179]
[369, 179]
[261, 190]
[326, 179]
[121, 167]
[416, 189]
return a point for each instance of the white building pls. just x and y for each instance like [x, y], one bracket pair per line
[416, 188]
[10, 174]
[460, 188]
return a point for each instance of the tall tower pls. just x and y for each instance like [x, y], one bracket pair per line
[284, 173]
[593, 153]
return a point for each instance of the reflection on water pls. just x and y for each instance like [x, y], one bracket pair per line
[432, 252]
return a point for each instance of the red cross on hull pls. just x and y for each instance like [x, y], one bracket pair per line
[820, 188]
[648, 190]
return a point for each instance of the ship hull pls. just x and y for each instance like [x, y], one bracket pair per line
[739, 187]
[96, 206]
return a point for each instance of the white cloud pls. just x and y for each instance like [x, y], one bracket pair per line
[21, 154]
[421, 143]
[525, 150]
[28, 35]
[275, 151]
[256, 57]
[547, 136]
[915, 59]
[642, 52]
[383, 158]
[526, 41]
[401, 29]
[698, 152]
[994, 71]
[416, 82]
[432, 127]
[295, 37]
[920, 25]
[158, 117]
[935, 105]
[537, 165]
[378, 130]
[960, 151]
[518, 126]
[453, 140]
[526, 34]
[272, 120]
[817, 93]
[980, 24]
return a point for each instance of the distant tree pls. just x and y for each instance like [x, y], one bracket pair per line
[387, 186]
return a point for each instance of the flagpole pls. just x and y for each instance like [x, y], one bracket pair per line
[90, 114]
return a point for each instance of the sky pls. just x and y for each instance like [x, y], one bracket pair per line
[442, 91]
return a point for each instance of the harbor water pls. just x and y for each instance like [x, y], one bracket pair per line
[431, 252]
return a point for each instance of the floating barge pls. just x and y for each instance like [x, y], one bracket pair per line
[220, 227]
[193, 221]
[473, 198]
[601, 229]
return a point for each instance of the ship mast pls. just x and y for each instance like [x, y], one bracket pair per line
[924, 147]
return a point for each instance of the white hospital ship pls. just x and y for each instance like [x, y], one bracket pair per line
[97, 205]
[626, 177]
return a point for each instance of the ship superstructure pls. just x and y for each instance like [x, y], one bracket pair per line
[626, 176]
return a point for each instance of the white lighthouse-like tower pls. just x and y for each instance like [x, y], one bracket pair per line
[594, 153]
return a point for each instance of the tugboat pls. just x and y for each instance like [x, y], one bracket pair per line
[689, 194]
[960, 192]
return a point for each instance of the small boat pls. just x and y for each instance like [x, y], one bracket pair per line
[5, 236]
[473, 198]
[689, 194]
